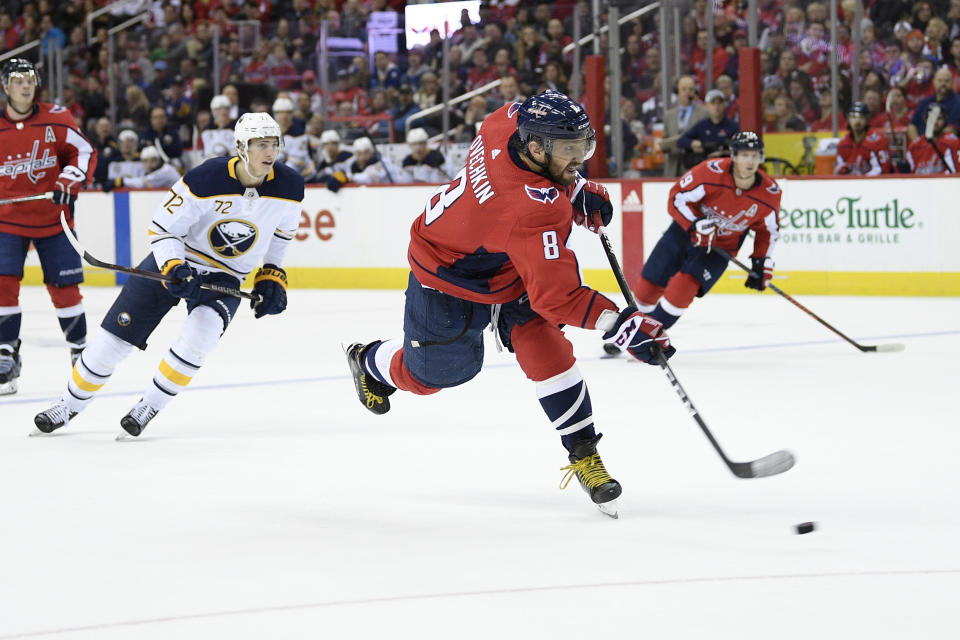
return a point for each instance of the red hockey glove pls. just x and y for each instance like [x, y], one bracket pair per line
[760, 273]
[68, 184]
[591, 205]
[636, 333]
[703, 232]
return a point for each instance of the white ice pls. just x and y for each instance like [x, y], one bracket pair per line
[266, 502]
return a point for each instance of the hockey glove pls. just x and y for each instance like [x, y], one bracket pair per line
[636, 333]
[271, 284]
[760, 273]
[336, 180]
[703, 232]
[68, 185]
[591, 205]
[110, 185]
[187, 283]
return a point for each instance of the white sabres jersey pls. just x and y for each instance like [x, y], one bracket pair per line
[166, 176]
[125, 169]
[296, 154]
[215, 224]
[218, 143]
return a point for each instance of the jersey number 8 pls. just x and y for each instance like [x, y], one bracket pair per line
[444, 197]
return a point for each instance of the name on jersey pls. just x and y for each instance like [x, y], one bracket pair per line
[477, 172]
[32, 166]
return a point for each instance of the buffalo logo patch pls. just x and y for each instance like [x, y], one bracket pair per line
[232, 238]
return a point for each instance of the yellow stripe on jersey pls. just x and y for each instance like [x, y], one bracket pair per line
[173, 375]
[232, 167]
[83, 384]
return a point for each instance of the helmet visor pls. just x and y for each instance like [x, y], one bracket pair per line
[577, 149]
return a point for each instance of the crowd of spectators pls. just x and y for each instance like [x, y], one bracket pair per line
[166, 68]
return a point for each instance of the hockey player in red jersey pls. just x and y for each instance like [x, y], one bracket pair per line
[863, 151]
[44, 152]
[490, 248]
[939, 153]
[714, 204]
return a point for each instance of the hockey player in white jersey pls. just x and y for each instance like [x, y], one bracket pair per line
[128, 165]
[217, 224]
[369, 167]
[159, 174]
[217, 140]
[296, 142]
[424, 164]
[332, 161]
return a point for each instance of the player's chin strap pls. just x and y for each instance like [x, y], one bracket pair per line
[245, 157]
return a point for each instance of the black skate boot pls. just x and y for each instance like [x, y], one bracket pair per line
[137, 418]
[372, 393]
[9, 368]
[53, 418]
[586, 465]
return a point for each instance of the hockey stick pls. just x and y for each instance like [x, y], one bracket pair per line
[141, 273]
[933, 114]
[769, 465]
[895, 346]
[40, 196]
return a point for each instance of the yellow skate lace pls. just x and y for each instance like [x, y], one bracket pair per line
[372, 398]
[589, 470]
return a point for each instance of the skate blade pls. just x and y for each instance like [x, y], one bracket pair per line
[610, 509]
[126, 437]
[8, 388]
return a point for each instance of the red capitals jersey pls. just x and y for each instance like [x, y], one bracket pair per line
[498, 230]
[869, 157]
[708, 190]
[924, 159]
[34, 152]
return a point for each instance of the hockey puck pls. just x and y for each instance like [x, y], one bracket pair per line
[806, 527]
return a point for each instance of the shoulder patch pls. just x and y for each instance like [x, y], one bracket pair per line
[542, 195]
[714, 165]
[512, 109]
[57, 109]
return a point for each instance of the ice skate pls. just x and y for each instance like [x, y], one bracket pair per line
[137, 419]
[9, 368]
[371, 392]
[53, 418]
[586, 465]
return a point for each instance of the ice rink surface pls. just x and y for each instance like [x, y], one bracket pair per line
[266, 502]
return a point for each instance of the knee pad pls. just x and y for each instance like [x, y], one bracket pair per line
[647, 295]
[104, 352]
[541, 349]
[9, 291]
[200, 334]
[66, 296]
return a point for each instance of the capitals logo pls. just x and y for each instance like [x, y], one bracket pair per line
[232, 238]
[546, 196]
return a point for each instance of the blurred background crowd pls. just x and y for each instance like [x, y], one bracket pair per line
[349, 92]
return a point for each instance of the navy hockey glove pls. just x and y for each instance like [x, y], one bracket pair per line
[636, 332]
[68, 185]
[760, 273]
[591, 205]
[336, 180]
[271, 284]
[110, 185]
[187, 283]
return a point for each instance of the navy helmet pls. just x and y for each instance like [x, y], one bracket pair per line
[552, 117]
[746, 141]
[859, 109]
[18, 66]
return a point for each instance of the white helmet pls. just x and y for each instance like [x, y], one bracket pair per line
[128, 134]
[417, 135]
[329, 137]
[363, 144]
[282, 104]
[150, 153]
[255, 125]
[220, 102]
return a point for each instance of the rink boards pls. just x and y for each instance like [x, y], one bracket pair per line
[853, 236]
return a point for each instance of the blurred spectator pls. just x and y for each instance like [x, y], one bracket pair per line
[918, 84]
[93, 98]
[136, 107]
[386, 74]
[128, 164]
[785, 117]
[677, 120]
[472, 119]
[733, 61]
[528, 54]
[801, 93]
[157, 174]
[108, 149]
[501, 62]
[945, 96]
[725, 85]
[51, 36]
[709, 136]
[541, 17]
[952, 61]
[380, 129]
[233, 64]
[310, 89]
[163, 136]
[937, 154]
[296, 145]
[898, 113]
[863, 151]
[257, 71]
[139, 62]
[698, 60]
[161, 81]
[423, 164]
[428, 94]
[935, 38]
[470, 41]
[332, 161]
[493, 34]
[510, 89]
[178, 106]
[483, 72]
[878, 117]
[416, 67]
[404, 108]
[347, 89]
[283, 75]
[217, 140]
[369, 167]
[553, 77]
[558, 39]
[921, 15]
[232, 94]
[10, 36]
[911, 58]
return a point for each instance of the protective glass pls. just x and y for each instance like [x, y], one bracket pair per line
[579, 149]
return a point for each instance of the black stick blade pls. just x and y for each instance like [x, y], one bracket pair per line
[771, 465]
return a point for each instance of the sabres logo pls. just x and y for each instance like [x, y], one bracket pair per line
[546, 196]
[232, 238]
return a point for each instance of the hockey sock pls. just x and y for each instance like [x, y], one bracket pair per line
[69, 308]
[9, 309]
[200, 335]
[377, 359]
[647, 294]
[566, 402]
[679, 294]
[94, 367]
